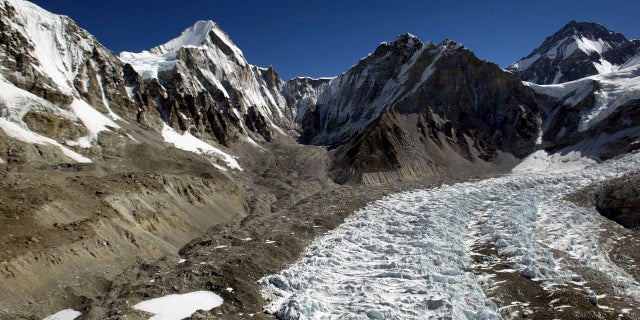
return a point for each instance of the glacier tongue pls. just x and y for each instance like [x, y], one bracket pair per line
[409, 255]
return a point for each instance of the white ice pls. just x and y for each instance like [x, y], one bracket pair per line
[408, 256]
[188, 142]
[179, 306]
[67, 314]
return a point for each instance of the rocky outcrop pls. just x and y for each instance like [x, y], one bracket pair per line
[578, 50]
[619, 200]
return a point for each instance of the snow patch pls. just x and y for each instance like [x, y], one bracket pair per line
[616, 89]
[589, 46]
[15, 103]
[179, 306]
[67, 314]
[188, 142]
[17, 132]
[255, 144]
[91, 118]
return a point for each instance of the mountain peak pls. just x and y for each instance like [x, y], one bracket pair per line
[577, 50]
[584, 28]
[405, 40]
[195, 35]
[204, 34]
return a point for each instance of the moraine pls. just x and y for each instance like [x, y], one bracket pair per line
[410, 255]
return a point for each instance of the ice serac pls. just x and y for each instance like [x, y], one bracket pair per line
[578, 50]
[412, 109]
[200, 81]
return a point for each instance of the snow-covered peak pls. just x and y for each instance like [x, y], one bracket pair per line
[205, 35]
[578, 50]
[196, 36]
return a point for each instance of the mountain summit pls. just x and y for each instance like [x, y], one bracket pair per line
[578, 50]
[202, 82]
[196, 35]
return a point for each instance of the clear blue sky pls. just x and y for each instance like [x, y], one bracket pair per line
[324, 38]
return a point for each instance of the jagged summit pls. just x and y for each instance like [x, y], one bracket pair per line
[578, 50]
[204, 34]
[587, 37]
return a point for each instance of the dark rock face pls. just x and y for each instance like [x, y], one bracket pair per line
[578, 50]
[427, 109]
[619, 200]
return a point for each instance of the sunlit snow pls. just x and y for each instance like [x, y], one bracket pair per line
[67, 314]
[17, 132]
[179, 306]
[91, 118]
[188, 142]
[147, 64]
[408, 256]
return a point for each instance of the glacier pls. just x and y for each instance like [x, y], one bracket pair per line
[410, 255]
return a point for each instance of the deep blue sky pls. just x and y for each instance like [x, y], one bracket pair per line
[324, 38]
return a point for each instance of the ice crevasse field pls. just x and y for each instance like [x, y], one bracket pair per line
[408, 255]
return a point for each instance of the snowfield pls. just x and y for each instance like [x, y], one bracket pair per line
[410, 255]
[67, 314]
[179, 306]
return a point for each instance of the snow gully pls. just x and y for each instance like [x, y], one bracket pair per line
[410, 255]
